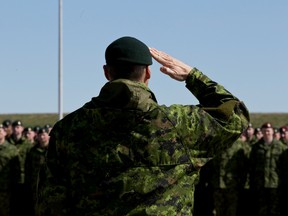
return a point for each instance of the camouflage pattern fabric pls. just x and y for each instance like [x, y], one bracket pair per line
[229, 178]
[10, 175]
[263, 164]
[231, 166]
[34, 160]
[123, 154]
[23, 146]
[252, 141]
[264, 178]
[20, 200]
[284, 141]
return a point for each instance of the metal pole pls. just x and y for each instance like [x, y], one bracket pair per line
[60, 101]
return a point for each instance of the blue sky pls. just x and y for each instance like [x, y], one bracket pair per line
[241, 44]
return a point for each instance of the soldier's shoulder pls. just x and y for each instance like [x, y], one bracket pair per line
[242, 144]
[9, 148]
[283, 146]
[8, 145]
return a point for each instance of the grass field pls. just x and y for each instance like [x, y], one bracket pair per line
[257, 119]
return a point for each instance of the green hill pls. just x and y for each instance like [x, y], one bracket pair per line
[257, 119]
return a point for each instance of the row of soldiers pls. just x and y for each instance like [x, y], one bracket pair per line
[249, 178]
[22, 153]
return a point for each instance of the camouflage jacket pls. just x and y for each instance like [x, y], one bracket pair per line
[23, 146]
[263, 164]
[123, 154]
[36, 157]
[230, 167]
[9, 167]
[284, 141]
[252, 141]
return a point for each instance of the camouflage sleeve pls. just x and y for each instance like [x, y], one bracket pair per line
[208, 92]
[214, 98]
[214, 124]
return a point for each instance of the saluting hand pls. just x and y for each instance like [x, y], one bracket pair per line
[171, 66]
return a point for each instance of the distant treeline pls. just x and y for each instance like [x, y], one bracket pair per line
[36, 119]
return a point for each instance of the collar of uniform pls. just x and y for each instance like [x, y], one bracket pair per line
[125, 94]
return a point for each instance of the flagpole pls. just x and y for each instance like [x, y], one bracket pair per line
[60, 96]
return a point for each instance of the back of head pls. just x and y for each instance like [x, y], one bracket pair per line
[127, 58]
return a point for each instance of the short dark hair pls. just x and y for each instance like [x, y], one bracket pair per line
[126, 71]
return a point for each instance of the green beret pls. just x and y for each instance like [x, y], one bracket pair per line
[28, 129]
[128, 50]
[36, 128]
[43, 130]
[17, 123]
[6, 123]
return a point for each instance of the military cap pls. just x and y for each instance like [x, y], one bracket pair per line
[267, 125]
[250, 125]
[276, 130]
[6, 123]
[128, 50]
[28, 129]
[47, 126]
[37, 128]
[17, 123]
[283, 129]
[257, 129]
[1, 126]
[43, 130]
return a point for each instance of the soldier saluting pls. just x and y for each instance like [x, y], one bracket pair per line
[124, 154]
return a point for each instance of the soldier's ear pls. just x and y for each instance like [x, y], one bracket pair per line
[106, 72]
[147, 75]
[148, 72]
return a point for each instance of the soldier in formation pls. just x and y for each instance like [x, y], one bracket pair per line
[263, 173]
[9, 174]
[36, 158]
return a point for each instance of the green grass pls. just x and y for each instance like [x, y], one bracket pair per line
[257, 119]
[32, 119]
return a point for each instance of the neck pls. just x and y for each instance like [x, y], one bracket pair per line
[2, 141]
[17, 137]
[268, 140]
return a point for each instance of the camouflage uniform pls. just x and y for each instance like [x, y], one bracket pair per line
[252, 141]
[123, 154]
[229, 176]
[23, 146]
[10, 175]
[264, 179]
[20, 203]
[34, 160]
[284, 141]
